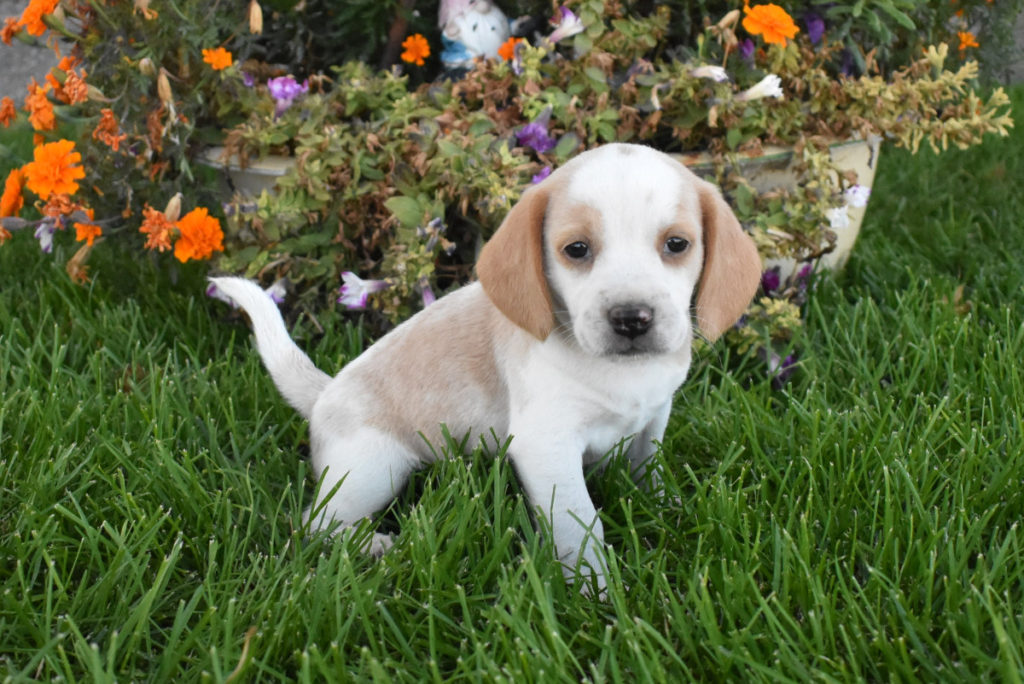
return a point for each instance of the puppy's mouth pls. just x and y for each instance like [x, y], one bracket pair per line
[640, 346]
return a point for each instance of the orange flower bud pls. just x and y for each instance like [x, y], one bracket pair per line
[255, 17]
[173, 211]
[163, 86]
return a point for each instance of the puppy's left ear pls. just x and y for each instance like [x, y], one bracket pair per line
[511, 266]
[732, 266]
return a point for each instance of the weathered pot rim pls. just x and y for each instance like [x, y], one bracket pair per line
[269, 165]
[768, 153]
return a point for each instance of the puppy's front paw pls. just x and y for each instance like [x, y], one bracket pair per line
[377, 544]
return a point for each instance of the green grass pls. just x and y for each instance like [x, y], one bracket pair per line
[863, 523]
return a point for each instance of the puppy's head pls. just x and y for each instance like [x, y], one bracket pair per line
[612, 247]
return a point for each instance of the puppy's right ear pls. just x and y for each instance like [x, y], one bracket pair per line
[511, 266]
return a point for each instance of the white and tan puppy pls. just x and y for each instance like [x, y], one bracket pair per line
[576, 336]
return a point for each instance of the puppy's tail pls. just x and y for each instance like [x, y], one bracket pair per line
[298, 380]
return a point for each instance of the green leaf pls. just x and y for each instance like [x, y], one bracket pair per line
[901, 18]
[582, 44]
[566, 146]
[406, 209]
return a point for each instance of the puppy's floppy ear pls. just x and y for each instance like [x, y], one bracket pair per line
[511, 266]
[732, 266]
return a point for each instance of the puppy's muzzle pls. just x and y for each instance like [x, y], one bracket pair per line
[631, 320]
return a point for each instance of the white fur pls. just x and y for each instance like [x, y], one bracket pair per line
[565, 400]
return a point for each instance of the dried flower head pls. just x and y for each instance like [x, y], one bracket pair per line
[157, 229]
[10, 29]
[39, 107]
[7, 111]
[108, 130]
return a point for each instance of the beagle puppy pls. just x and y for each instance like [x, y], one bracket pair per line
[576, 335]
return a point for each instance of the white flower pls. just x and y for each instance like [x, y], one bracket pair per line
[857, 196]
[355, 291]
[838, 218]
[568, 25]
[715, 73]
[44, 233]
[769, 86]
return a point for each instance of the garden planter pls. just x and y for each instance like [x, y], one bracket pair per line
[249, 180]
[773, 170]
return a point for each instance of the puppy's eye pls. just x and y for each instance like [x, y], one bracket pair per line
[577, 250]
[677, 245]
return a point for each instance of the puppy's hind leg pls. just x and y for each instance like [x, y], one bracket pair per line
[360, 473]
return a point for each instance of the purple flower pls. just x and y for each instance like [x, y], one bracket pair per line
[781, 369]
[541, 175]
[248, 79]
[747, 49]
[284, 90]
[815, 27]
[535, 134]
[428, 294]
[803, 277]
[355, 292]
[770, 280]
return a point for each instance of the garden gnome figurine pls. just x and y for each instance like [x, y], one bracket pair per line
[470, 28]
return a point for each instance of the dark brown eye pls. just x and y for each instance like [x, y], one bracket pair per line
[677, 245]
[577, 250]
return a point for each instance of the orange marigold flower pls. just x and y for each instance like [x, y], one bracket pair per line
[9, 30]
[200, 237]
[7, 111]
[32, 17]
[68, 62]
[967, 40]
[416, 49]
[87, 232]
[507, 51]
[771, 22]
[157, 229]
[107, 130]
[12, 200]
[39, 107]
[54, 169]
[218, 58]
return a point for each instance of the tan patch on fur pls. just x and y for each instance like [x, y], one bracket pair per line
[511, 264]
[568, 224]
[440, 370]
[732, 266]
[681, 230]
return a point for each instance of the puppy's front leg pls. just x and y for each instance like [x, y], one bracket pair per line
[641, 450]
[554, 484]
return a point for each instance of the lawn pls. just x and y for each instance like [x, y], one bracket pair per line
[861, 523]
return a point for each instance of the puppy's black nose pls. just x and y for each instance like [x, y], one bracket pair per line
[631, 320]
